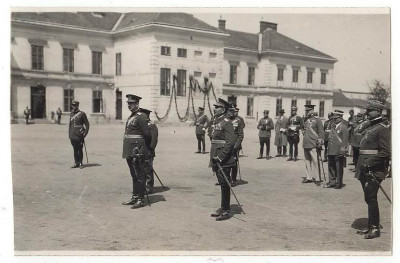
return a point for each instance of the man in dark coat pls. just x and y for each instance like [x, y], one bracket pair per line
[152, 144]
[312, 139]
[337, 148]
[59, 113]
[27, 112]
[136, 151]
[239, 135]
[78, 130]
[222, 144]
[293, 134]
[375, 151]
[281, 126]
[327, 130]
[265, 125]
[201, 124]
[360, 124]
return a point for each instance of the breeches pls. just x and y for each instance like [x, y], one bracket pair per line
[225, 190]
[78, 150]
[266, 141]
[138, 170]
[371, 188]
[201, 141]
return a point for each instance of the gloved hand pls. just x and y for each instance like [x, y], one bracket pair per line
[215, 160]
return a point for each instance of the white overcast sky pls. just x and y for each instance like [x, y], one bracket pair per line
[360, 42]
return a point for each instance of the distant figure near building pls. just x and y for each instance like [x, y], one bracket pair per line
[201, 124]
[27, 113]
[59, 113]
[312, 139]
[136, 151]
[265, 125]
[152, 144]
[78, 130]
[293, 134]
[281, 133]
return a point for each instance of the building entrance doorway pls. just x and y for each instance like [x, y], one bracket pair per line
[118, 104]
[38, 102]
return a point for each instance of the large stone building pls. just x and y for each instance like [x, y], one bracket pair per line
[175, 61]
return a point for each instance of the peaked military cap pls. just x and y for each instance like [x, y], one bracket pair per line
[338, 112]
[294, 108]
[222, 103]
[75, 103]
[201, 108]
[374, 105]
[133, 98]
[145, 111]
[309, 106]
[236, 109]
[282, 111]
[266, 111]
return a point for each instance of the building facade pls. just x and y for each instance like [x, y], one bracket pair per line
[173, 60]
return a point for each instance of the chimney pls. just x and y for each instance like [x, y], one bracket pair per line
[265, 25]
[221, 24]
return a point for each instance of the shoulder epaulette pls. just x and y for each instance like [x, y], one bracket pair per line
[226, 119]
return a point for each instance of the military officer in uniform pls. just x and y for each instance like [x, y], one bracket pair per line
[136, 151]
[59, 113]
[265, 125]
[293, 136]
[375, 150]
[312, 139]
[78, 130]
[327, 131]
[281, 133]
[360, 124]
[337, 148]
[27, 112]
[222, 144]
[152, 144]
[201, 124]
[239, 135]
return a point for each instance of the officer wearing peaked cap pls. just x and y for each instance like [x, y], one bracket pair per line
[293, 134]
[152, 144]
[337, 148]
[78, 130]
[222, 144]
[239, 135]
[360, 125]
[327, 130]
[265, 125]
[375, 150]
[201, 124]
[136, 151]
[281, 126]
[312, 139]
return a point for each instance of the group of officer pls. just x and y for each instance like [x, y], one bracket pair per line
[370, 140]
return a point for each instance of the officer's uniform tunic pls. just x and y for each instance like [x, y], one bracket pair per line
[265, 125]
[78, 129]
[327, 131]
[239, 135]
[338, 142]
[222, 144]
[136, 151]
[293, 136]
[152, 144]
[313, 130]
[375, 150]
[201, 124]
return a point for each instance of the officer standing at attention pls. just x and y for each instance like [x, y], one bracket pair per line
[360, 124]
[201, 124]
[239, 135]
[136, 151]
[152, 144]
[375, 150]
[293, 134]
[27, 112]
[265, 125]
[337, 148]
[327, 130]
[312, 139]
[222, 144]
[59, 113]
[281, 133]
[78, 130]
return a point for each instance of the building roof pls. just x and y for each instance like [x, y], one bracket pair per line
[106, 21]
[243, 40]
[340, 100]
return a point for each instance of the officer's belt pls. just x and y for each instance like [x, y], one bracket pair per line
[368, 151]
[218, 141]
[328, 130]
[133, 136]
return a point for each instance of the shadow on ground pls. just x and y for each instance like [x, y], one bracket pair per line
[91, 165]
[160, 189]
[360, 223]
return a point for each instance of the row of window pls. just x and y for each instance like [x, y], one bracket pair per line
[97, 100]
[250, 106]
[182, 52]
[280, 76]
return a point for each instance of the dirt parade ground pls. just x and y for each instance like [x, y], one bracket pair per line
[57, 208]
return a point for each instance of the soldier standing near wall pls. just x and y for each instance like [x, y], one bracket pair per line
[281, 134]
[27, 112]
[265, 125]
[78, 130]
[201, 124]
[293, 134]
[59, 113]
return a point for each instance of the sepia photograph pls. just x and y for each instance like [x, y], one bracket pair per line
[212, 132]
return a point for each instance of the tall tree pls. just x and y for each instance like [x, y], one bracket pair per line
[379, 91]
